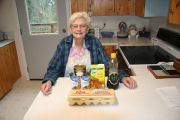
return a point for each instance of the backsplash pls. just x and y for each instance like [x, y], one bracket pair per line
[161, 22]
[112, 22]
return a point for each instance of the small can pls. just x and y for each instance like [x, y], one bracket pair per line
[76, 81]
[79, 70]
[85, 79]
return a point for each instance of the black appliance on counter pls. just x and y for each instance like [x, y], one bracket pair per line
[151, 54]
[3, 36]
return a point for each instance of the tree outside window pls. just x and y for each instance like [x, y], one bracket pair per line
[42, 16]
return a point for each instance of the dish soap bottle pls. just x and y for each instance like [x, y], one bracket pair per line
[113, 82]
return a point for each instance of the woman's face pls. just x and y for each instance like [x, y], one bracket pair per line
[79, 28]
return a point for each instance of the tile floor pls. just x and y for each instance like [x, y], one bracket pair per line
[16, 102]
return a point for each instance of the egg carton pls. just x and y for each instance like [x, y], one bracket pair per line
[91, 96]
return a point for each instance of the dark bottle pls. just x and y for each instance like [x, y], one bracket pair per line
[113, 82]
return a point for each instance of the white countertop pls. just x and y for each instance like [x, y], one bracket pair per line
[5, 42]
[127, 41]
[142, 103]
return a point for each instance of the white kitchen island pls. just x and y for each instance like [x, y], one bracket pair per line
[141, 103]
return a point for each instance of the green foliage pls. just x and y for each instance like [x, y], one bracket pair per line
[41, 12]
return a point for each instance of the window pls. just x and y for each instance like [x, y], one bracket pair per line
[42, 16]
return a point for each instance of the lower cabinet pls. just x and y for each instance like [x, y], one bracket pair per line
[110, 49]
[121, 63]
[9, 68]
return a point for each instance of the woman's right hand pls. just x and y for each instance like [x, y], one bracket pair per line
[45, 87]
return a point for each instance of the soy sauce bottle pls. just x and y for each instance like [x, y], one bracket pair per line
[113, 82]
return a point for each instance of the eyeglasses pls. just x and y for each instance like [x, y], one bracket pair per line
[82, 26]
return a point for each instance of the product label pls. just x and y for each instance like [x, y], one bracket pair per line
[97, 76]
[85, 82]
[76, 82]
[113, 78]
[79, 73]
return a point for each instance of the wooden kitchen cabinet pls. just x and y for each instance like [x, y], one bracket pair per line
[80, 6]
[9, 67]
[110, 49]
[151, 8]
[5, 83]
[139, 9]
[104, 7]
[124, 7]
[174, 12]
[93, 7]
[14, 64]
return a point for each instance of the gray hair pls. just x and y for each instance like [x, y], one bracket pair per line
[77, 15]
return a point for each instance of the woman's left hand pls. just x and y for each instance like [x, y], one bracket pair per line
[129, 82]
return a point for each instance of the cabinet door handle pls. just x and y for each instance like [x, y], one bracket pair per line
[171, 11]
[64, 30]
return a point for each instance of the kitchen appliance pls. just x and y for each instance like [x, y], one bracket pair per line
[123, 30]
[91, 32]
[146, 54]
[3, 36]
[94, 32]
[166, 48]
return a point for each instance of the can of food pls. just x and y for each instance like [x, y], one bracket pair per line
[85, 81]
[75, 81]
[79, 70]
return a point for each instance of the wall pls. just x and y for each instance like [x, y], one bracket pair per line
[157, 22]
[9, 23]
[112, 22]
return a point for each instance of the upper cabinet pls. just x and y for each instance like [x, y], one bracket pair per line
[152, 8]
[144, 8]
[140, 5]
[104, 7]
[80, 5]
[174, 12]
[124, 7]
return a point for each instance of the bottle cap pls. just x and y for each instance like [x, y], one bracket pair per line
[113, 55]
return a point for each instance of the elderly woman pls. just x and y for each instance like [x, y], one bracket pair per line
[78, 48]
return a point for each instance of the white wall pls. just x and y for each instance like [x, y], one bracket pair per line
[9, 23]
[112, 22]
[157, 22]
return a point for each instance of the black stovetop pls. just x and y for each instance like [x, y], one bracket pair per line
[146, 54]
[153, 54]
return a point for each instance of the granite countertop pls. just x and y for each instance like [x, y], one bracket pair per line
[5, 42]
[127, 41]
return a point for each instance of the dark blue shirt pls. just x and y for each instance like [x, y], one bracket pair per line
[57, 65]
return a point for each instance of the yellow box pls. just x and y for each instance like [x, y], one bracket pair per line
[97, 76]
